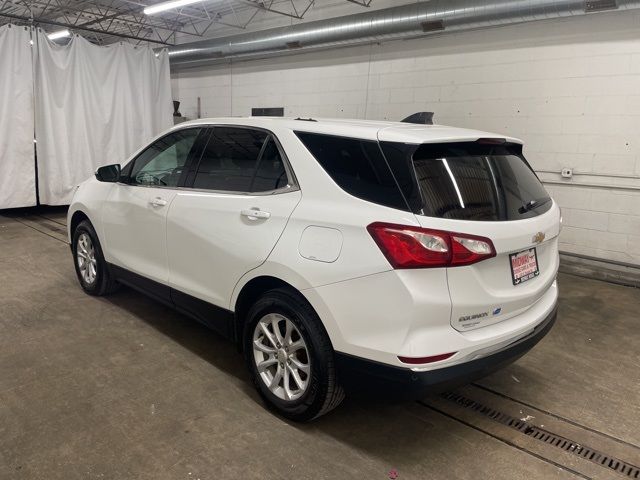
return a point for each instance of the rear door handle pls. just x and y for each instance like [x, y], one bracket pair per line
[255, 214]
[157, 202]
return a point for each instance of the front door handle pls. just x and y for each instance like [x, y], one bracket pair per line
[255, 214]
[157, 202]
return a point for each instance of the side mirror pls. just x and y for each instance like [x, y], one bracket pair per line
[108, 173]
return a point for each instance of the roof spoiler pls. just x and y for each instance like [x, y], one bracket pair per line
[420, 118]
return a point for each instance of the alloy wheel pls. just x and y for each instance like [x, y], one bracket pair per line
[86, 258]
[281, 357]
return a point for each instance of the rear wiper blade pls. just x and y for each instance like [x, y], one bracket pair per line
[531, 204]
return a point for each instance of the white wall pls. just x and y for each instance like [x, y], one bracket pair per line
[569, 88]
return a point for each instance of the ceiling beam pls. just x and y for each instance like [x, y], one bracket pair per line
[260, 5]
[36, 21]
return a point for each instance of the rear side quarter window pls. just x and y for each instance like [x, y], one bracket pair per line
[357, 166]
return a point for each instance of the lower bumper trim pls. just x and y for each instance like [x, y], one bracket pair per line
[359, 374]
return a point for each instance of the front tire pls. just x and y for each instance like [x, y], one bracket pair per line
[290, 357]
[91, 267]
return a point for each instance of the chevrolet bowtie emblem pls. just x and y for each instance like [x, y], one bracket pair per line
[538, 237]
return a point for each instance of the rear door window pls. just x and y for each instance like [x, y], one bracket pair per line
[270, 173]
[467, 181]
[229, 160]
[357, 166]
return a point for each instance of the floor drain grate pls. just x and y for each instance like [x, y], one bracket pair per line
[548, 437]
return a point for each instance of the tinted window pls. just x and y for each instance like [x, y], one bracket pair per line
[162, 163]
[270, 173]
[357, 166]
[470, 181]
[229, 160]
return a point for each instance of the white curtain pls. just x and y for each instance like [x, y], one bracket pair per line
[94, 106]
[17, 169]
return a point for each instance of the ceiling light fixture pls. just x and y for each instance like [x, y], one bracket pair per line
[59, 34]
[163, 6]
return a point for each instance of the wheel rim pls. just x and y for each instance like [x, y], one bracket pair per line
[281, 357]
[86, 258]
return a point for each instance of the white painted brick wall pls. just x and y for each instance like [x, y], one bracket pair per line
[569, 88]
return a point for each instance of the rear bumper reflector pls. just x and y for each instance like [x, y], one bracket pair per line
[423, 360]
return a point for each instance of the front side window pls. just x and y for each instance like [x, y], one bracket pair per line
[229, 160]
[162, 163]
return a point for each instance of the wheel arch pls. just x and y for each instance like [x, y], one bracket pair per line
[249, 291]
[80, 213]
[77, 217]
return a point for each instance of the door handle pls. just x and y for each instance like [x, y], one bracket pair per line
[157, 202]
[255, 214]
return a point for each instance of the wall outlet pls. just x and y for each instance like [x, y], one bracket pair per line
[567, 172]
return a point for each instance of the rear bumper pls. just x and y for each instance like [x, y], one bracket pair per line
[358, 374]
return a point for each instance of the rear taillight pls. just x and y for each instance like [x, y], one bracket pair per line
[415, 247]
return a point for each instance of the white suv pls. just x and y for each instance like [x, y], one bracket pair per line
[337, 254]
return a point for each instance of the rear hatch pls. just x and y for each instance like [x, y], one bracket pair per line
[484, 188]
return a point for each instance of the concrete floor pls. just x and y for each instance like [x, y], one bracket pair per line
[124, 388]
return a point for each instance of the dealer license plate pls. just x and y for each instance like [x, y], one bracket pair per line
[524, 266]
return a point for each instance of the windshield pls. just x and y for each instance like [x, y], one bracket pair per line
[467, 180]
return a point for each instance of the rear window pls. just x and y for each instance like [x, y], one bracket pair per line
[467, 181]
[357, 166]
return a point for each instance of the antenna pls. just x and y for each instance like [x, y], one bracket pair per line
[420, 118]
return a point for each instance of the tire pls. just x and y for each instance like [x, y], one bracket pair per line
[99, 281]
[321, 392]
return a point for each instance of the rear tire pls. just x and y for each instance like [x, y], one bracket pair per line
[91, 267]
[293, 369]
